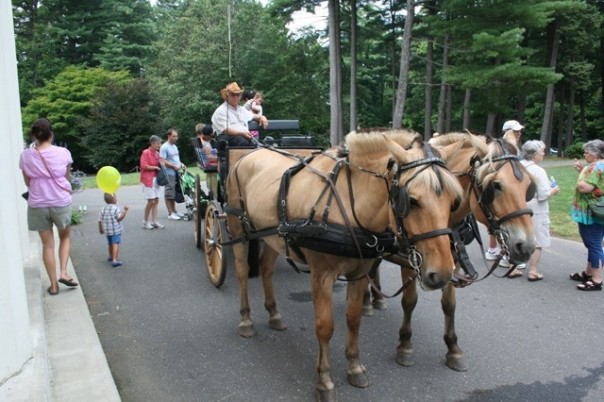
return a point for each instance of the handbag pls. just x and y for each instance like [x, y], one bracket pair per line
[597, 209]
[162, 176]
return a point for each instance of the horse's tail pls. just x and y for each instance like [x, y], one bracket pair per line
[253, 258]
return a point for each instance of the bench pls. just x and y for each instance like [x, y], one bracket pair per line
[285, 128]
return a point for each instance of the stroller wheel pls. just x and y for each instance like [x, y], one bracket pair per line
[187, 217]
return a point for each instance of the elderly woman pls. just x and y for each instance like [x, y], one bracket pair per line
[534, 151]
[589, 188]
[149, 165]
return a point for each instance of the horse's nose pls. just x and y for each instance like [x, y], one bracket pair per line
[522, 251]
[437, 280]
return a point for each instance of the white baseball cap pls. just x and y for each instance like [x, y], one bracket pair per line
[512, 125]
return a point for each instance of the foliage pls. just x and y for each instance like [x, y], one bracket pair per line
[76, 218]
[118, 125]
[65, 100]
[574, 151]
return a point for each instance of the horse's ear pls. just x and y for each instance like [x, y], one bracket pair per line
[448, 151]
[399, 153]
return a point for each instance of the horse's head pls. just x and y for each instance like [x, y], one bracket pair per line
[497, 188]
[423, 193]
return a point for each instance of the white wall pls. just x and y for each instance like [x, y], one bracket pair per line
[15, 334]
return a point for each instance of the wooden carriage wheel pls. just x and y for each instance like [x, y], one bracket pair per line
[215, 233]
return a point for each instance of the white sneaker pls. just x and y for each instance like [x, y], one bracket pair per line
[505, 263]
[148, 226]
[491, 255]
[174, 217]
[158, 225]
[179, 214]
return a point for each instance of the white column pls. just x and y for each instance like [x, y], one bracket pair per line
[15, 334]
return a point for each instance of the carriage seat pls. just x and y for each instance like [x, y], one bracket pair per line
[202, 160]
[287, 130]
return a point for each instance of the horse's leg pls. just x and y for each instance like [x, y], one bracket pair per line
[357, 373]
[379, 303]
[404, 351]
[267, 269]
[367, 306]
[455, 356]
[246, 327]
[322, 291]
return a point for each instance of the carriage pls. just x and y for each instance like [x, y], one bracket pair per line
[211, 232]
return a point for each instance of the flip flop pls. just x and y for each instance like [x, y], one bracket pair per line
[590, 285]
[68, 282]
[50, 292]
[535, 278]
[514, 274]
[580, 277]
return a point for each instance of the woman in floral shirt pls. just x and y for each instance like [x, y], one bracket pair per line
[590, 185]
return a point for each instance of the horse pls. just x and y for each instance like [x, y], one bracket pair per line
[337, 212]
[496, 190]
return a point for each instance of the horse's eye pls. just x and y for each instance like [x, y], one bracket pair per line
[497, 186]
[413, 202]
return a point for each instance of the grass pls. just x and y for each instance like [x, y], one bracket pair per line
[560, 226]
[132, 179]
[559, 205]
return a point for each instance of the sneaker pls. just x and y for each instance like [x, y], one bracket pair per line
[148, 226]
[179, 214]
[174, 217]
[505, 263]
[491, 255]
[144, 223]
[158, 225]
[116, 264]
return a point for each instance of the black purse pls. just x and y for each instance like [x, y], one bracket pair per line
[597, 209]
[25, 195]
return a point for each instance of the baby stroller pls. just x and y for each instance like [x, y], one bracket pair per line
[185, 192]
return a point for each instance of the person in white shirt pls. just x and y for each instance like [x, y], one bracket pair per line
[230, 120]
[534, 152]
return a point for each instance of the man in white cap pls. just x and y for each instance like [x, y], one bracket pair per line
[230, 119]
[509, 127]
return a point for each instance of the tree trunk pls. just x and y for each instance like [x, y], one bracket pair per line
[401, 93]
[490, 124]
[353, 66]
[440, 125]
[449, 102]
[428, 91]
[548, 112]
[335, 77]
[466, 109]
[583, 117]
[570, 116]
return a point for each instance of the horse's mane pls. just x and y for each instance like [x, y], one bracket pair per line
[487, 172]
[362, 143]
[464, 140]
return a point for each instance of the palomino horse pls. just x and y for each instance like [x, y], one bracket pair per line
[335, 212]
[496, 189]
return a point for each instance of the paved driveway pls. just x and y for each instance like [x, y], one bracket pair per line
[169, 335]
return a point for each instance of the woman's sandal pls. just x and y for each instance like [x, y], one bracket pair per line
[590, 285]
[580, 277]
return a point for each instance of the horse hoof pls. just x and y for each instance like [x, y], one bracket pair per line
[359, 380]
[368, 310]
[277, 323]
[405, 359]
[457, 363]
[380, 304]
[246, 330]
[323, 394]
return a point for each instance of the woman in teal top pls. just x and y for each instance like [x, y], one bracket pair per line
[590, 186]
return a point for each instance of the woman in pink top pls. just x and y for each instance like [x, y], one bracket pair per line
[149, 165]
[45, 170]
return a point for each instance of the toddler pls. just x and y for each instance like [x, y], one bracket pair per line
[110, 224]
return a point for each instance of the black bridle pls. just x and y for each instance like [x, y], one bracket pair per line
[486, 196]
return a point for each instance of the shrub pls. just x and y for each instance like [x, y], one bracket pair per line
[575, 151]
